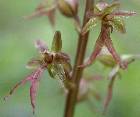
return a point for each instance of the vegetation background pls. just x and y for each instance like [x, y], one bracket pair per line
[16, 48]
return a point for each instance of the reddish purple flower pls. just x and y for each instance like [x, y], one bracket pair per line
[56, 62]
[68, 8]
[107, 60]
[111, 19]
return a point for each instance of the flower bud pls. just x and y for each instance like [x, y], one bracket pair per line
[68, 8]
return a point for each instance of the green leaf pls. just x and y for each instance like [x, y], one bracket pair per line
[119, 25]
[57, 42]
[111, 8]
[89, 25]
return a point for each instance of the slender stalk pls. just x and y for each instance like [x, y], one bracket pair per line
[77, 72]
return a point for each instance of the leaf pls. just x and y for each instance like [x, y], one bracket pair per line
[89, 25]
[57, 42]
[118, 24]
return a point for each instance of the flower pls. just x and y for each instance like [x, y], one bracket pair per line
[107, 60]
[68, 8]
[111, 19]
[56, 62]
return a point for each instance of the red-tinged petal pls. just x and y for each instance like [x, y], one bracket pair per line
[124, 13]
[16, 86]
[33, 63]
[109, 94]
[34, 79]
[110, 47]
[98, 46]
[39, 11]
[41, 46]
[33, 93]
[110, 8]
[51, 16]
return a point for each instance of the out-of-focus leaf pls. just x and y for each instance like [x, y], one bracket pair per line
[57, 42]
[89, 25]
[118, 24]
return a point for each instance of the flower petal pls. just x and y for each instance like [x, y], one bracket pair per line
[34, 79]
[33, 93]
[97, 49]
[110, 8]
[57, 42]
[33, 63]
[109, 94]
[109, 45]
[118, 24]
[41, 46]
[89, 25]
[124, 13]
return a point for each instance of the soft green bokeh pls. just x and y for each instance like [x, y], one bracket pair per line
[17, 47]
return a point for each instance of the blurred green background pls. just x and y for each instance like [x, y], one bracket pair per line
[17, 37]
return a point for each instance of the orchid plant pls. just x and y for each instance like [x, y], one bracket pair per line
[76, 87]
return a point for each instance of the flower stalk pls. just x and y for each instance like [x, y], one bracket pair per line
[77, 72]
